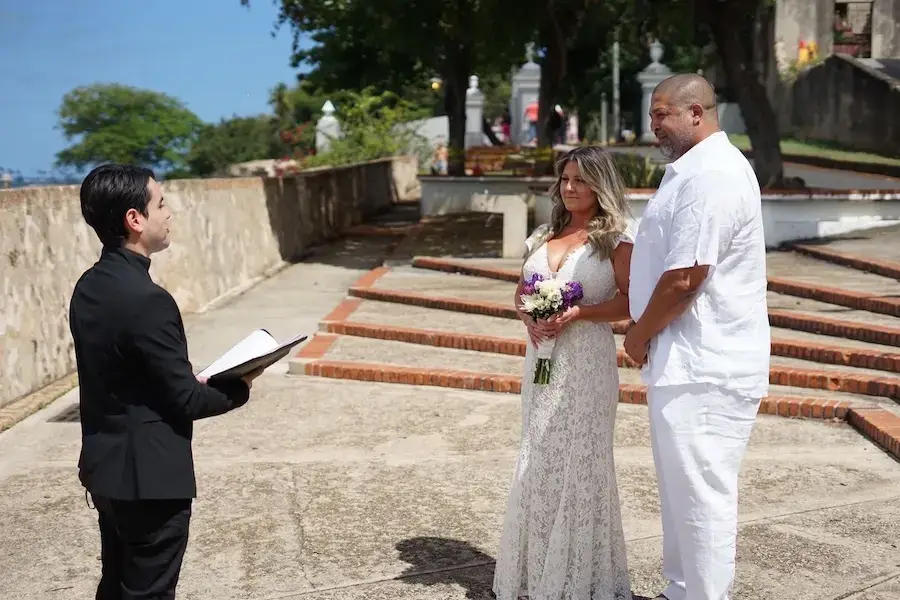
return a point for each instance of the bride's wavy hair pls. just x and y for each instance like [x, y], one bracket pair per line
[599, 172]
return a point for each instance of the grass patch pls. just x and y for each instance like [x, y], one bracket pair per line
[796, 147]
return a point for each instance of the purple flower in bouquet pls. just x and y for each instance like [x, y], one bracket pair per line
[528, 286]
[572, 293]
[542, 298]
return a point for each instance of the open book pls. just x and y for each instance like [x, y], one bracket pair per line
[259, 349]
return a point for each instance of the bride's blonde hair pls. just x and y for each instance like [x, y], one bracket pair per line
[599, 172]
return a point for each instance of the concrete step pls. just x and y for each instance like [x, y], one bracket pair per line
[800, 268]
[784, 370]
[405, 279]
[813, 316]
[350, 357]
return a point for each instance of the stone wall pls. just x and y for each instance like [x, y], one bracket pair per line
[226, 233]
[886, 29]
[847, 103]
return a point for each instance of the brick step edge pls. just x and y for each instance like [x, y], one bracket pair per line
[887, 387]
[881, 426]
[336, 323]
[874, 334]
[886, 268]
[837, 296]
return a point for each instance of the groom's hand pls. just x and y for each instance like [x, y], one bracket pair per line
[637, 346]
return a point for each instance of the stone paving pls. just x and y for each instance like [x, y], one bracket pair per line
[343, 489]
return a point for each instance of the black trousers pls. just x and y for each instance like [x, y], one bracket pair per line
[142, 546]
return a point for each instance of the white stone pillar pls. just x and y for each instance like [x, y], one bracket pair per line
[327, 128]
[474, 114]
[526, 86]
[649, 78]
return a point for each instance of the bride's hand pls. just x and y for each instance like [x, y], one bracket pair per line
[558, 323]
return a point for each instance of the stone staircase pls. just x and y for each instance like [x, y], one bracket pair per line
[449, 322]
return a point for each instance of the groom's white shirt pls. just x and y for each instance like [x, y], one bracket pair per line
[707, 211]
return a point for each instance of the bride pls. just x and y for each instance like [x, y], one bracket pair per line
[562, 536]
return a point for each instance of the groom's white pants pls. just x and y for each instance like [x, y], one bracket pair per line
[699, 434]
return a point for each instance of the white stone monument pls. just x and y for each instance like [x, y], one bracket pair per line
[526, 86]
[327, 128]
[649, 78]
[474, 114]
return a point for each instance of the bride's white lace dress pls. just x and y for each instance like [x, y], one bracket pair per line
[562, 536]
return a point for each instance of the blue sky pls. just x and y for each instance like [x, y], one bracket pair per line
[215, 55]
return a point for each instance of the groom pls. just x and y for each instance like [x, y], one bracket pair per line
[701, 332]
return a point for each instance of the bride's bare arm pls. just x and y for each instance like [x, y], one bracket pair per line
[616, 308]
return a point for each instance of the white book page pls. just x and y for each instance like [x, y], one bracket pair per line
[256, 344]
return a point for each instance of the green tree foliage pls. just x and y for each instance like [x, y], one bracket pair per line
[375, 43]
[235, 140]
[373, 126]
[118, 123]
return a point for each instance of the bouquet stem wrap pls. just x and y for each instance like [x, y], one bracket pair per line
[544, 365]
[541, 299]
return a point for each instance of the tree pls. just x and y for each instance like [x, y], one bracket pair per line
[234, 140]
[373, 125]
[118, 123]
[561, 22]
[359, 44]
[735, 27]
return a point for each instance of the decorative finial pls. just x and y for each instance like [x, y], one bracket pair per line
[656, 51]
[529, 52]
[473, 82]
[328, 108]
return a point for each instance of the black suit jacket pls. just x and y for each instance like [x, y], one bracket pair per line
[139, 396]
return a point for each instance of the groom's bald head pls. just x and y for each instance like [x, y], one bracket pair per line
[683, 113]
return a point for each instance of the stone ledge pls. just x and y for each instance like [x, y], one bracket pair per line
[886, 268]
[836, 381]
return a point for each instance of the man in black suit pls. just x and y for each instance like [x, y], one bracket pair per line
[138, 394]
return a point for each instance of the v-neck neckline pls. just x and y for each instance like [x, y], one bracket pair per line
[569, 254]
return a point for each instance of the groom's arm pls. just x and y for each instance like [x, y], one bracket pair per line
[700, 226]
[674, 293]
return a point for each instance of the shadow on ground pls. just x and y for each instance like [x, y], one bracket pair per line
[442, 561]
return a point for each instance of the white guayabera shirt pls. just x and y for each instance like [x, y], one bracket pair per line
[707, 211]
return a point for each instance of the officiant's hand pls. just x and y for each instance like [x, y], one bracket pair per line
[249, 377]
[202, 379]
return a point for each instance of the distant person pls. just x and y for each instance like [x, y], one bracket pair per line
[138, 394]
[440, 160]
[531, 117]
[701, 332]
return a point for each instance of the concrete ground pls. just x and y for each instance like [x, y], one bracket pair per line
[329, 489]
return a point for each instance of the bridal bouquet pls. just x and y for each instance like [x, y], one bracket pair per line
[541, 299]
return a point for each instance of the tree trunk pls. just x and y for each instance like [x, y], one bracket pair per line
[457, 67]
[455, 84]
[726, 19]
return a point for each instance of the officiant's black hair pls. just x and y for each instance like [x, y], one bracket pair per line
[110, 191]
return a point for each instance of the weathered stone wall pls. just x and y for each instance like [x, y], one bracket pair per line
[845, 102]
[225, 234]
